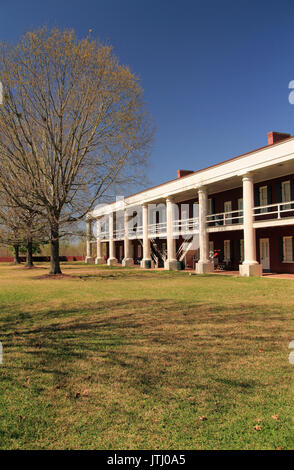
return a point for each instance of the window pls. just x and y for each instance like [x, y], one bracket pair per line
[228, 210]
[287, 249]
[286, 195]
[263, 197]
[209, 208]
[227, 250]
[185, 212]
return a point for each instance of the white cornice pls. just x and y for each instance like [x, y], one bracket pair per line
[239, 166]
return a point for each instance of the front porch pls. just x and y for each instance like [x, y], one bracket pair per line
[176, 235]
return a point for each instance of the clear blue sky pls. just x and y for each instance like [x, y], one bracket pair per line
[215, 73]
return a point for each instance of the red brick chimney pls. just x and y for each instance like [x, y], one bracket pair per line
[274, 137]
[181, 173]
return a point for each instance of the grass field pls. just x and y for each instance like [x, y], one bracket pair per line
[111, 358]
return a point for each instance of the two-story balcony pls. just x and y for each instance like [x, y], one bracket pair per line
[265, 215]
[271, 215]
[224, 220]
[243, 207]
[181, 227]
[277, 214]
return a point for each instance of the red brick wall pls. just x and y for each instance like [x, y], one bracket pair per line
[274, 233]
[218, 243]
[234, 194]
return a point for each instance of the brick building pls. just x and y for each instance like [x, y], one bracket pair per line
[238, 214]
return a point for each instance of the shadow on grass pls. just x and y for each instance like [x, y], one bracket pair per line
[148, 339]
[247, 384]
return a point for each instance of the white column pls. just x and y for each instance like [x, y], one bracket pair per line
[250, 266]
[204, 264]
[128, 259]
[171, 262]
[89, 257]
[99, 257]
[112, 259]
[146, 241]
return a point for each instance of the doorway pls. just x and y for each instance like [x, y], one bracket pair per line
[264, 254]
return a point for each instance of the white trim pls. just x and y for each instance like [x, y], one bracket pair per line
[228, 220]
[276, 154]
[286, 249]
[267, 260]
[263, 192]
[286, 197]
[227, 246]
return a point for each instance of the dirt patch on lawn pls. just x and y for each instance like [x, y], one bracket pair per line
[56, 276]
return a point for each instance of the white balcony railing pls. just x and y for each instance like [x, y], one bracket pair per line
[119, 233]
[135, 232]
[268, 211]
[103, 235]
[189, 226]
[274, 211]
[225, 218]
[157, 229]
[186, 226]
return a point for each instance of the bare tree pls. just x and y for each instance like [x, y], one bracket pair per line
[21, 228]
[72, 124]
[10, 235]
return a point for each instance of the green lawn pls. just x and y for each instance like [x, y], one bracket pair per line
[110, 358]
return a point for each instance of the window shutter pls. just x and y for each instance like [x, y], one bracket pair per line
[232, 250]
[281, 251]
[238, 249]
[222, 250]
[292, 192]
[269, 195]
[191, 214]
[256, 196]
[213, 205]
[256, 199]
[279, 192]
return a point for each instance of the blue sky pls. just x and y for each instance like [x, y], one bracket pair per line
[215, 73]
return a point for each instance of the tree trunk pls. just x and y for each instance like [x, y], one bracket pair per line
[16, 254]
[54, 248]
[30, 263]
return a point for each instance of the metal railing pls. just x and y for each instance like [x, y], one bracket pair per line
[186, 226]
[225, 218]
[135, 232]
[184, 248]
[119, 233]
[103, 235]
[157, 229]
[277, 210]
[189, 226]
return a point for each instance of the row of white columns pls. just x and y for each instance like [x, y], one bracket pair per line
[249, 266]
